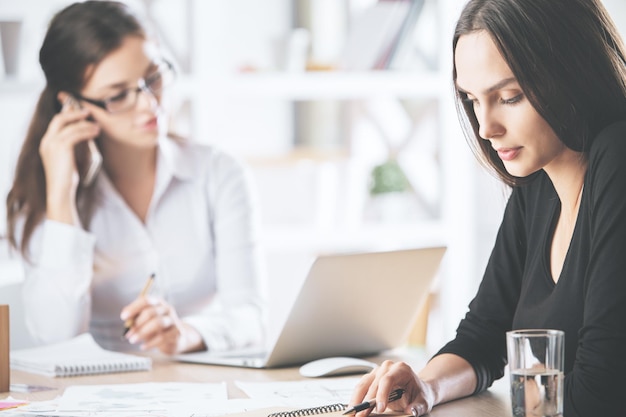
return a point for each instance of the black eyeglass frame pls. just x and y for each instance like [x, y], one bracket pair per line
[141, 87]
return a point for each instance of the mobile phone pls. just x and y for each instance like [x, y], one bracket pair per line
[88, 157]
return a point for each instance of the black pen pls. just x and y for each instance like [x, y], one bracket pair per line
[394, 395]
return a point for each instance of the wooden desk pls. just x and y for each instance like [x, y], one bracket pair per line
[493, 403]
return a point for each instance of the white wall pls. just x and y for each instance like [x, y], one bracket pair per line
[235, 39]
[617, 10]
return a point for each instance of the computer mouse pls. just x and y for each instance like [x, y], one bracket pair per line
[336, 365]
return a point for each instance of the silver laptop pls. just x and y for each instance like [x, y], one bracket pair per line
[349, 305]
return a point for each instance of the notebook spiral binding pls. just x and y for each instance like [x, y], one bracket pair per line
[311, 411]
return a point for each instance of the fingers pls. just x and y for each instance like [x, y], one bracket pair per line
[133, 309]
[369, 387]
[416, 399]
[390, 378]
[362, 387]
[166, 341]
[56, 149]
[64, 131]
[68, 137]
[154, 318]
[71, 126]
[155, 324]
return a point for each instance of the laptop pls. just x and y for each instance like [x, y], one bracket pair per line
[357, 304]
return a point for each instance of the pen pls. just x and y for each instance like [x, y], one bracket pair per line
[394, 395]
[146, 287]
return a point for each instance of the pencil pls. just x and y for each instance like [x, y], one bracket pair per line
[144, 291]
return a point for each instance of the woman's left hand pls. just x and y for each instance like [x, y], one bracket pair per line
[156, 325]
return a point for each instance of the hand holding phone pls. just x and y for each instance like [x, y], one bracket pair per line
[88, 157]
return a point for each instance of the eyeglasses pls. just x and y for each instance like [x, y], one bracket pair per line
[127, 99]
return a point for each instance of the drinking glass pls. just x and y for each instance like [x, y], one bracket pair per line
[536, 371]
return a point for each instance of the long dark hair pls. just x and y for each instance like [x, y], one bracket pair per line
[568, 58]
[78, 38]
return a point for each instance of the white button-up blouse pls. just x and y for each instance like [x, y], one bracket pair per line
[199, 238]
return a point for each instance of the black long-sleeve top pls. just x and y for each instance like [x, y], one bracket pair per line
[588, 302]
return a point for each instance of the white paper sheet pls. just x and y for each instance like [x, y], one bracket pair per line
[306, 393]
[176, 399]
[204, 408]
[155, 399]
[149, 397]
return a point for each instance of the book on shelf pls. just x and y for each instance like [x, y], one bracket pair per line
[78, 356]
[379, 33]
[403, 37]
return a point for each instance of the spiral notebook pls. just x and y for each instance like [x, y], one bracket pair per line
[330, 410]
[78, 356]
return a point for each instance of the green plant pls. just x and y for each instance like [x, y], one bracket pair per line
[388, 177]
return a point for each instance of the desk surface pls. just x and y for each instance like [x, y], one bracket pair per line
[493, 403]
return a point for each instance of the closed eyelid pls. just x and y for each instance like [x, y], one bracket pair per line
[504, 97]
[120, 94]
[516, 98]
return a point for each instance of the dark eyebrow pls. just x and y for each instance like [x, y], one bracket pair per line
[500, 84]
[116, 86]
[122, 85]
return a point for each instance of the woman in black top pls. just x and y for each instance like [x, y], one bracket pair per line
[541, 93]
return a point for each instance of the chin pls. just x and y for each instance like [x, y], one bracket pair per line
[520, 173]
[147, 136]
[142, 141]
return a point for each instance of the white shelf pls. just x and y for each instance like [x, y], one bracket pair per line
[318, 85]
[366, 236]
[13, 86]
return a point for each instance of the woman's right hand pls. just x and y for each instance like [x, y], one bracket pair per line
[418, 397]
[65, 131]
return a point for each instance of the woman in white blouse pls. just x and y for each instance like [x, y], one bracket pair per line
[158, 205]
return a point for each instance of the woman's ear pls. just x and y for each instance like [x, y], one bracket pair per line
[63, 96]
[67, 101]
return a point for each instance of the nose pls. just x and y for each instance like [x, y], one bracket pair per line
[488, 122]
[145, 97]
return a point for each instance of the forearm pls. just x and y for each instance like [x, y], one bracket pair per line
[57, 281]
[450, 377]
[62, 208]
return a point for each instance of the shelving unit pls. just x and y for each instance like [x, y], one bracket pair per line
[334, 85]
[308, 225]
[349, 88]
[313, 198]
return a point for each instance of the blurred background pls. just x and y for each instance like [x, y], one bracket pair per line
[342, 110]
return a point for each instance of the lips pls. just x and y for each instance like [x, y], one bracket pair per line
[149, 124]
[508, 154]
[152, 122]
